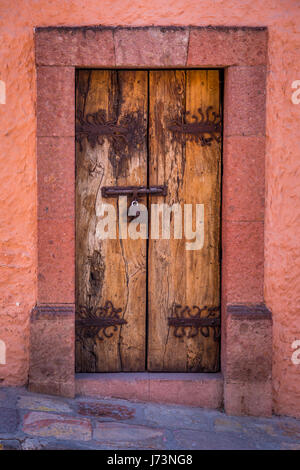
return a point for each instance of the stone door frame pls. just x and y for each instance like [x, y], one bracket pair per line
[244, 384]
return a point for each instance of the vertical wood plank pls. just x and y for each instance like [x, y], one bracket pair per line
[192, 172]
[111, 269]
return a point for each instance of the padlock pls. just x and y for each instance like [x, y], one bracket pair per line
[133, 212]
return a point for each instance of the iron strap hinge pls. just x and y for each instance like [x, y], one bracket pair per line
[187, 321]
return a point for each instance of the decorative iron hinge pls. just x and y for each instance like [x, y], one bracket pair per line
[96, 127]
[203, 130]
[186, 317]
[94, 321]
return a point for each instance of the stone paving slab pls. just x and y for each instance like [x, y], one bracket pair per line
[10, 444]
[200, 440]
[124, 434]
[30, 421]
[8, 420]
[104, 410]
[175, 416]
[43, 404]
[8, 399]
[38, 423]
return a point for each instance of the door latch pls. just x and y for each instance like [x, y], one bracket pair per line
[133, 191]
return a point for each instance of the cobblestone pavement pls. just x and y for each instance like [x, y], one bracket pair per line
[32, 421]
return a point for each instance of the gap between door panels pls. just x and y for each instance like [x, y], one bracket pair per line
[147, 241]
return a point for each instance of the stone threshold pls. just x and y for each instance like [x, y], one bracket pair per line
[201, 390]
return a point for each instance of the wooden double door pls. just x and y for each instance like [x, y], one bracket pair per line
[146, 303]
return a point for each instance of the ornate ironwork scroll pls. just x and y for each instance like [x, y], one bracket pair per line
[96, 127]
[205, 127]
[95, 321]
[189, 321]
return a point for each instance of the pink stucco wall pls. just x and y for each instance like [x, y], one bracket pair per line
[18, 154]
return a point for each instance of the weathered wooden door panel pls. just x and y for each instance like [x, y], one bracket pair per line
[110, 273]
[122, 143]
[180, 278]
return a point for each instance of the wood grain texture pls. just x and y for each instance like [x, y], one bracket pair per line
[193, 174]
[124, 270]
[110, 269]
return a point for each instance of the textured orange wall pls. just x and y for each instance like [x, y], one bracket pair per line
[18, 160]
